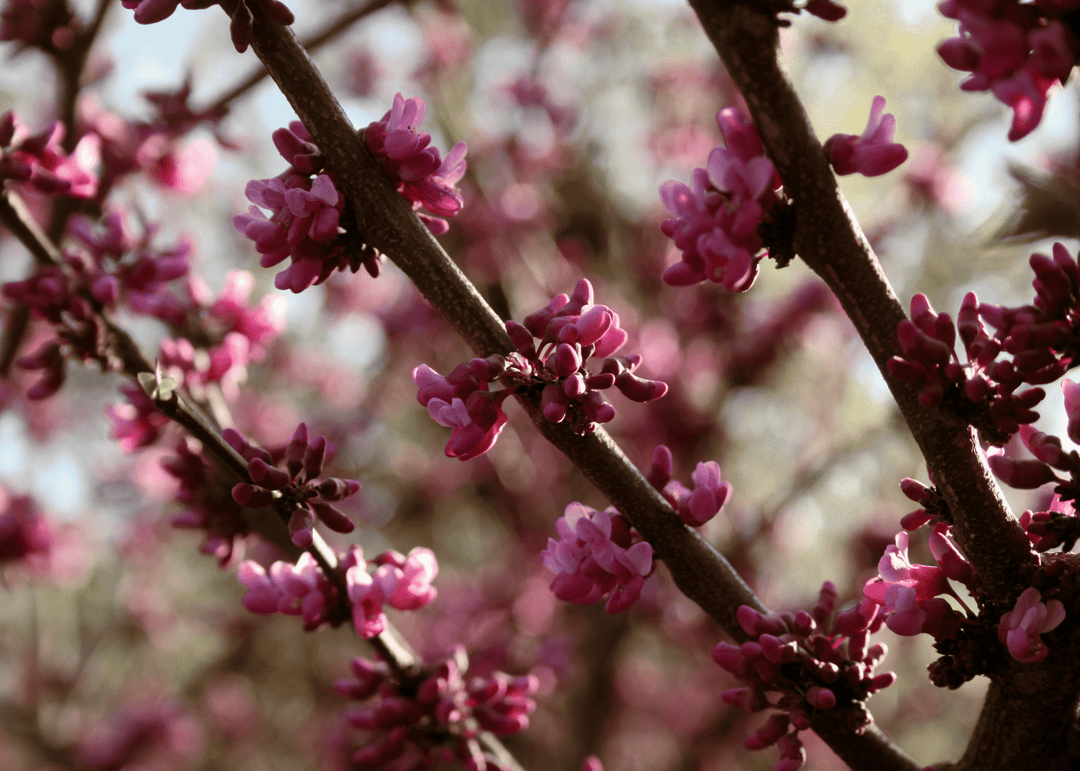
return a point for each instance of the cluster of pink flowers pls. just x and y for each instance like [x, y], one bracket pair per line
[309, 220]
[909, 594]
[295, 484]
[597, 555]
[400, 581]
[984, 390]
[1016, 50]
[1042, 339]
[554, 344]
[40, 162]
[437, 720]
[873, 152]
[717, 217]
[697, 506]
[811, 661]
[422, 177]
[1021, 627]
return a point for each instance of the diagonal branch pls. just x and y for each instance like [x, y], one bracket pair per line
[831, 242]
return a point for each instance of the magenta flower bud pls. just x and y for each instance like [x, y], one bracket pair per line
[915, 519]
[600, 382]
[821, 698]
[659, 473]
[638, 389]
[804, 624]
[536, 323]
[905, 370]
[565, 361]
[597, 409]
[313, 458]
[744, 698]
[915, 490]
[252, 497]
[1023, 474]
[332, 517]
[920, 346]
[300, 528]
[574, 385]
[266, 475]
[750, 620]
[489, 369]
[775, 727]
[295, 451]
[553, 403]
[593, 324]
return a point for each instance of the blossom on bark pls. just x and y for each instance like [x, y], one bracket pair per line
[596, 556]
[1021, 627]
[400, 581]
[873, 152]
[554, 344]
[423, 178]
[306, 498]
[41, 162]
[812, 660]
[697, 506]
[717, 217]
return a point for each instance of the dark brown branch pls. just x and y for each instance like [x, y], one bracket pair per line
[831, 242]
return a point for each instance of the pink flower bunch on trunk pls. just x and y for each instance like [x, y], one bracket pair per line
[295, 485]
[873, 152]
[554, 344]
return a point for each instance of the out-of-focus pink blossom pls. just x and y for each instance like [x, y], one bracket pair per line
[873, 152]
[41, 162]
[25, 533]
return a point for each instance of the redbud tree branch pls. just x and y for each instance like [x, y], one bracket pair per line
[389, 224]
[832, 243]
[1031, 709]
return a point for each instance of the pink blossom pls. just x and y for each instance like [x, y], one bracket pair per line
[296, 590]
[717, 215]
[873, 152]
[594, 558]
[1020, 627]
[399, 581]
[425, 179]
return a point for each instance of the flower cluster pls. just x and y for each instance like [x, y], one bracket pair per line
[984, 391]
[597, 555]
[873, 152]
[439, 719]
[909, 594]
[309, 220]
[400, 581]
[1016, 50]
[40, 162]
[1058, 526]
[717, 217]
[295, 485]
[813, 661]
[554, 344]
[697, 506]
[424, 179]
[1020, 627]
